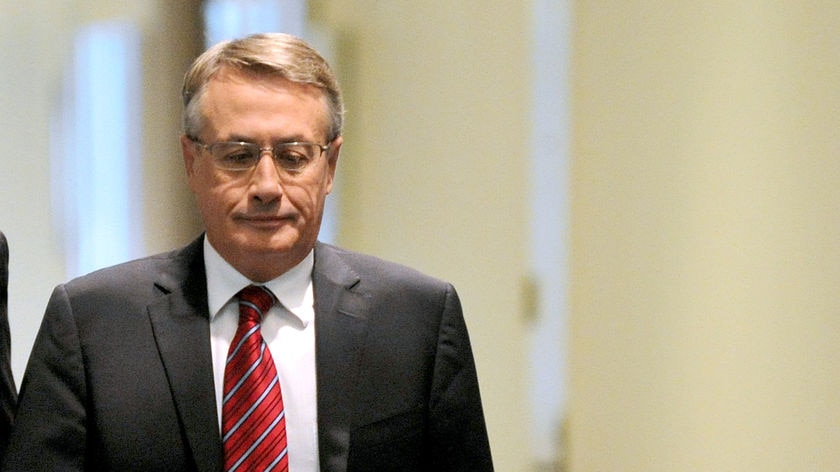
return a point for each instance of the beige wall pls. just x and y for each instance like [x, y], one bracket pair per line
[706, 221]
[28, 89]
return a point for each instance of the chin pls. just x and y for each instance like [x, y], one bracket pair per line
[278, 244]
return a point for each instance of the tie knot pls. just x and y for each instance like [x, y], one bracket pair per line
[254, 303]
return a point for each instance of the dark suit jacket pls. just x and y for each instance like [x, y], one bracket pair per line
[120, 377]
[8, 391]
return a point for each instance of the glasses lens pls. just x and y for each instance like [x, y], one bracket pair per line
[235, 156]
[293, 157]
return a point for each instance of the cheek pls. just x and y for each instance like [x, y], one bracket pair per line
[308, 199]
[215, 196]
[208, 206]
[299, 198]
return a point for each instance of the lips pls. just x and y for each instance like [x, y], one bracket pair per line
[267, 221]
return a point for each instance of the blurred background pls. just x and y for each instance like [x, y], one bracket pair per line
[638, 201]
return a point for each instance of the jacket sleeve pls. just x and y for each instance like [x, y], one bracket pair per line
[50, 427]
[458, 434]
[8, 391]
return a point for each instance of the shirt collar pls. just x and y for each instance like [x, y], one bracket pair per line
[293, 289]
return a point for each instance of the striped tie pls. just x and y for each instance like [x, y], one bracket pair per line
[253, 419]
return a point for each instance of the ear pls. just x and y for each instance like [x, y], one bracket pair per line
[189, 151]
[332, 160]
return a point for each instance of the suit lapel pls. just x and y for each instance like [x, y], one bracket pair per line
[340, 327]
[182, 333]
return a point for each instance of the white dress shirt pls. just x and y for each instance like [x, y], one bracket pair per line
[289, 331]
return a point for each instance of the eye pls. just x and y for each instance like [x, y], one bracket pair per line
[236, 155]
[292, 158]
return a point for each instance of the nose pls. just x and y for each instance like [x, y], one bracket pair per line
[265, 185]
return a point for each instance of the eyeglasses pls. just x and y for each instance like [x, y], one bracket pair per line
[240, 156]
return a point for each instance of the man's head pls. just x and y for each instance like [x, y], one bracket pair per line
[261, 202]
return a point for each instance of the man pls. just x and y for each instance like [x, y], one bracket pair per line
[136, 367]
[8, 391]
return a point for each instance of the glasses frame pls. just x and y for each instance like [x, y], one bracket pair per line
[322, 148]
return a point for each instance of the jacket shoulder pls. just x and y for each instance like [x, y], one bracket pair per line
[165, 271]
[371, 268]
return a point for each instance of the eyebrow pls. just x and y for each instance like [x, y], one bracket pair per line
[285, 139]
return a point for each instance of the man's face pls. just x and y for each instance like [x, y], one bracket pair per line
[263, 221]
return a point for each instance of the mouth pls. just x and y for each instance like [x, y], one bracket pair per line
[266, 221]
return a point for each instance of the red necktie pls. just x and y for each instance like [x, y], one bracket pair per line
[253, 419]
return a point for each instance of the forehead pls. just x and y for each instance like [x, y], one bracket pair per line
[246, 103]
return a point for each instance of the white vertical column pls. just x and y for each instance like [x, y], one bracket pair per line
[227, 19]
[549, 225]
[97, 150]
